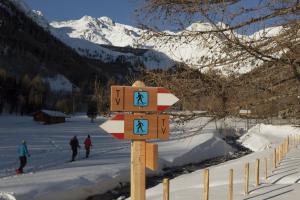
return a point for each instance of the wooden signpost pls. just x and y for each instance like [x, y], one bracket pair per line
[140, 126]
[141, 99]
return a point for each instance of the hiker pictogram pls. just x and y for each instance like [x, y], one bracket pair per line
[141, 98]
[140, 126]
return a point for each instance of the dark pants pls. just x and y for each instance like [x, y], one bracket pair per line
[23, 161]
[87, 152]
[74, 154]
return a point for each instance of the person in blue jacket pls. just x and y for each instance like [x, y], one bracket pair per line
[23, 153]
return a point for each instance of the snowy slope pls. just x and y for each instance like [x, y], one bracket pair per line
[105, 31]
[50, 176]
[101, 30]
[261, 136]
[197, 53]
[87, 34]
[282, 184]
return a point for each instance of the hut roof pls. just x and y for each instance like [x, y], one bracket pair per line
[54, 113]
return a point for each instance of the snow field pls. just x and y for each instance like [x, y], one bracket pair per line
[50, 175]
[283, 183]
[262, 136]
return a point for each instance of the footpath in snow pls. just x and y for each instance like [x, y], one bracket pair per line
[283, 183]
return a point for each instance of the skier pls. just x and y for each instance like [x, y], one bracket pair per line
[23, 153]
[87, 145]
[74, 145]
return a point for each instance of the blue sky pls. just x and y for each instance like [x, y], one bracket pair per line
[121, 11]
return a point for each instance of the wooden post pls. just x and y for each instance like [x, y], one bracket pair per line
[246, 183]
[266, 168]
[280, 153]
[166, 185]
[274, 161]
[271, 163]
[206, 184]
[277, 156]
[286, 147]
[138, 164]
[257, 172]
[230, 194]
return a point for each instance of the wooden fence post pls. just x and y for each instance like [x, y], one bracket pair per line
[271, 163]
[166, 188]
[266, 168]
[246, 175]
[257, 172]
[206, 184]
[277, 156]
[280, 153]
[274, 157]
[230, 194]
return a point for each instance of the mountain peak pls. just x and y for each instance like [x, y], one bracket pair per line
[107, 20]
[87, 18]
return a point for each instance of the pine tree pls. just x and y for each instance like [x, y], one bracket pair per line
[92, 109]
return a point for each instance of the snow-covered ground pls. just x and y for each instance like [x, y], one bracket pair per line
[283, 183]
[50, 175]
[262, 136]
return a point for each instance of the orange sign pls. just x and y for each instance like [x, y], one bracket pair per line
[143, 126]
[141, 99]
[125, 98]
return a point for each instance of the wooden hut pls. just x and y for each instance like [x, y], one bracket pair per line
[50, 116]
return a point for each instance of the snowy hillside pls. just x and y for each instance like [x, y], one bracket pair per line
[87, 34]
[103, 38]
[197, 53]
[283, 183]
[262, 137]
[49, 175]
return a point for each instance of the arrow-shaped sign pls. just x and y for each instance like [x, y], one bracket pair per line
[165, 99]
[115, 126]
[125, 98]
[138, 126]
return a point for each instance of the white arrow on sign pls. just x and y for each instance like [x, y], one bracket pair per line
[115, 126]
[165, 99]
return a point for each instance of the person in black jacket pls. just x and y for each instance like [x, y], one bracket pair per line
[74, 146]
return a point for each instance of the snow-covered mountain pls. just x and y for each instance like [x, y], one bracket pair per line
[162, 52]
[102, 38]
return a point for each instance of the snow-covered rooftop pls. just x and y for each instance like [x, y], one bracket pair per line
[54, 113]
